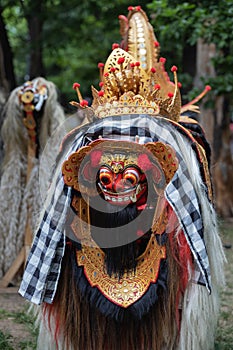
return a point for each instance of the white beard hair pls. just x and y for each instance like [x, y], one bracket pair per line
[200, 310]
[12, 208]
[45, 340]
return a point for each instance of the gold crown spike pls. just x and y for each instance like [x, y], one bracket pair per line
[101, 67]
[190, 106]
[82, 103]
[139, 38]
[128, 89]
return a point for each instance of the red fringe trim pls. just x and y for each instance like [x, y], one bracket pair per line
[48, 316]
[182, 254]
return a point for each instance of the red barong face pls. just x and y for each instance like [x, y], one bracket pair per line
[122, 185]
[121, 172]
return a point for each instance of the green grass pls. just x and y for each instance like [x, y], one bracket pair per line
[5, 341]
[224, 336]
[22, 317]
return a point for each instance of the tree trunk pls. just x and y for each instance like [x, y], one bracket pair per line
[188, 65]
[35, 25]
[7, 76]
[3, 83]
[216, 123]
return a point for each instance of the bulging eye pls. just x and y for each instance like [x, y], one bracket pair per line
[131, 176]
[105, 176]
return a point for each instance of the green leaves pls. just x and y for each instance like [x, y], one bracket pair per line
[183, 23]
[77, 35]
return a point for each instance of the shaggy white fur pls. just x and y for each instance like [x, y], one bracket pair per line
[200, 310]
[16, 193]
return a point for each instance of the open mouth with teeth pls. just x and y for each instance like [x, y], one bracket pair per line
[125, 197]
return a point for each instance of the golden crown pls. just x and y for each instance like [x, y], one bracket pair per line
[126, 88]
[133, 80]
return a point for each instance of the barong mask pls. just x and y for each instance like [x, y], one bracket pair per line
[129, 224]
[119, 209]
[120, 212]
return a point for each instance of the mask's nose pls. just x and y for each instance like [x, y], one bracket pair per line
[118, 184]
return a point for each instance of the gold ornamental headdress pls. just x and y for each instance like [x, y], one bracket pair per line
[133, 79]
[126, 88]
[135, 84]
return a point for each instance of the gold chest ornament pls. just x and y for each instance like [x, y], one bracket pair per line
[133, 285]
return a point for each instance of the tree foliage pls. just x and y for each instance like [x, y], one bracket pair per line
[183, 23]
[205, 25]
[75, 36]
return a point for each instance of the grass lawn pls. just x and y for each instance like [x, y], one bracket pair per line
[224, 339]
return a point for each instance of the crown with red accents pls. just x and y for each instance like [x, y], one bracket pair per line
[133, 80]
[126, 88]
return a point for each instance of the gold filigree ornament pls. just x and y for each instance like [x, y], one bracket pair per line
[166, 156]
[73, 170]
[133, 285]
[126, 159]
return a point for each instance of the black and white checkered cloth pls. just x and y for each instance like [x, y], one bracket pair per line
[43, 267]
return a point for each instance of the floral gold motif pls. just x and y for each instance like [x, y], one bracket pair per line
[109, 158]
[166, 157]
